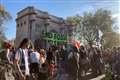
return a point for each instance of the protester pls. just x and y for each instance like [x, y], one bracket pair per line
[73, 64]
[43, 74]
[83, 62]
[52, 67]
[60, 63]
[99, 62]
[44, 66]
[49, 55]
[42, 56]
[7, 53]
[116, 61]
[21, 60]
[12, 55]
[34, 61]
[6, 62]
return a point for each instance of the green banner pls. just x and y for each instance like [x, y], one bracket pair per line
[55, 37]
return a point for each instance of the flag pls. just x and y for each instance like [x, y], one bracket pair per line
[99, 34]
[76, 43]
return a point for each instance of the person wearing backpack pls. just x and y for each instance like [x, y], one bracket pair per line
[21, 60]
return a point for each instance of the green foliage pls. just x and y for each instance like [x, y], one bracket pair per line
[4, 17]
[103, 20]
[74, 20]
[111, 39]
[90, 22]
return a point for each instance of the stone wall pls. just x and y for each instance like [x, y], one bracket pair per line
[31, 22]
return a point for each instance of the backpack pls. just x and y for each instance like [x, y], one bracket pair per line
[21, 61]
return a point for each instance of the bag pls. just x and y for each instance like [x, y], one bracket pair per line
[21, 61]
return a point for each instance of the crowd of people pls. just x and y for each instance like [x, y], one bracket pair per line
[112, 57]
[30, 63]
[64, 62]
